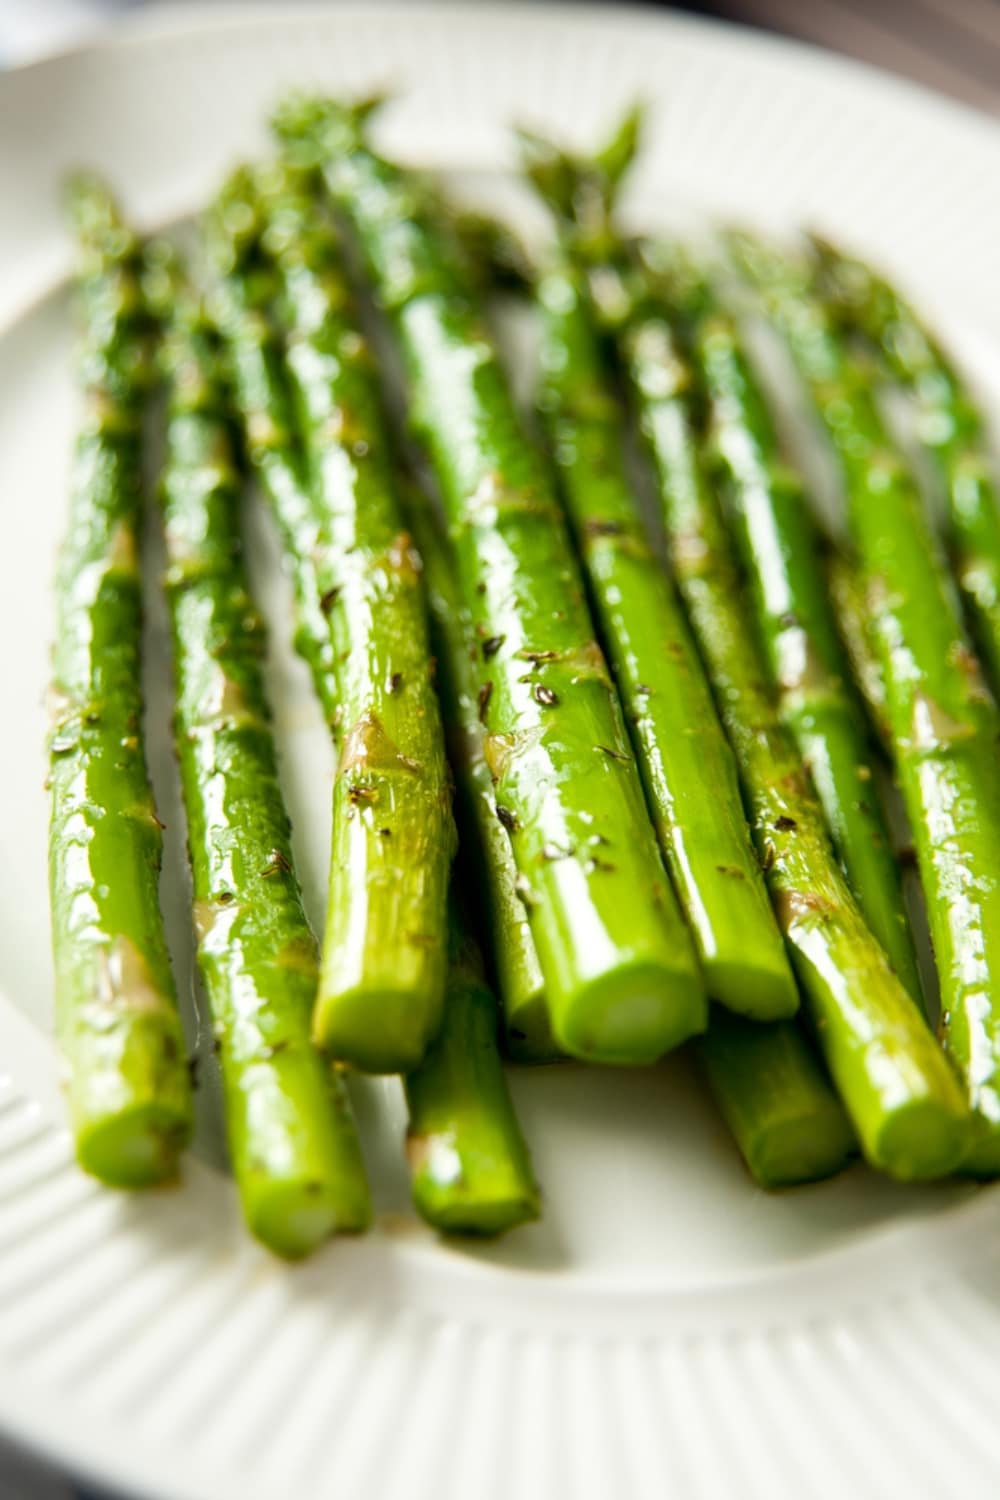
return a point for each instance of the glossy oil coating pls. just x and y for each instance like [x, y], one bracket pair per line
[116, 1007]
[945, 725]
[527, 1031]
[292, 1142]
[621, 976]
[903, 1098]
[951, 428]
[687, 765]
[382, 984]
[581, 192]
[313, 431]
[469, 1166]
[847, 597]
[780, 550]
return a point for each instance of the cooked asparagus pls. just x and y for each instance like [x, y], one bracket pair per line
[780, 549]
[943, 722]
[294, 1150]
[620, 971]
[679, 743]
[470, 1168]
[116, 1005]
[950, 426]
[382, 981]
[382, 984]
[527, 1029]
[902, 1096]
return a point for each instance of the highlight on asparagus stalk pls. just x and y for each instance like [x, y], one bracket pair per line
[847, 597]
[950, 425]
[242, 291]
[117, 1023]
[770, 1088]
[944, 724]
[798, 1131]
[385, 953]
[294, 1150]
[621, 976]
[527, 1030]
[382, 979]
[469, 1166]
[902, 1096]
[780, 549]
[679, 743]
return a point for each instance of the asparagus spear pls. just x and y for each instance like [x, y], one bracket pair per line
[678, 741]
[776, 1098]
[951, 428]
[527, 1029]
[944, 724]
[902, 1096]
[382, 981]
[619, 967]
[293, 1146]
[382, 986]
[780, 549]
[847, 596]
[470, 1168]
[242, 291]
[116, 1005]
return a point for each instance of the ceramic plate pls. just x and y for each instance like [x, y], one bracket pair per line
[666, 1329]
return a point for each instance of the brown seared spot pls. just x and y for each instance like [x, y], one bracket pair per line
[367, 747]
[798, 906]
[403, 558]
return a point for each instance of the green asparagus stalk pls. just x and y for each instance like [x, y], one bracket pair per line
[292, 1142]
[470, 1168]
[527, 1030]
[679, 743]
[242, 290]
[950, 425]
[382, 980]
[944, 724]
[382, 985]
[903, 1098]
[776, 1098]
[619, 967]
[780, 549]
[847, 596]
[117, 1023]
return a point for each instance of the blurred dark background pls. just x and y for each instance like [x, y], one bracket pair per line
[949, 45]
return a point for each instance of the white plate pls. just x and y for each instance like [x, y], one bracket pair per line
[666, 1329]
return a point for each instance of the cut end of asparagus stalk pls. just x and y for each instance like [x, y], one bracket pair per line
[293, 1219]
[765, 991]
[134, 1148]
[631, 1015]
[345, 1027]
[773, 1093]
[922, 1141]
[469, 1165]
[476, 1207]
